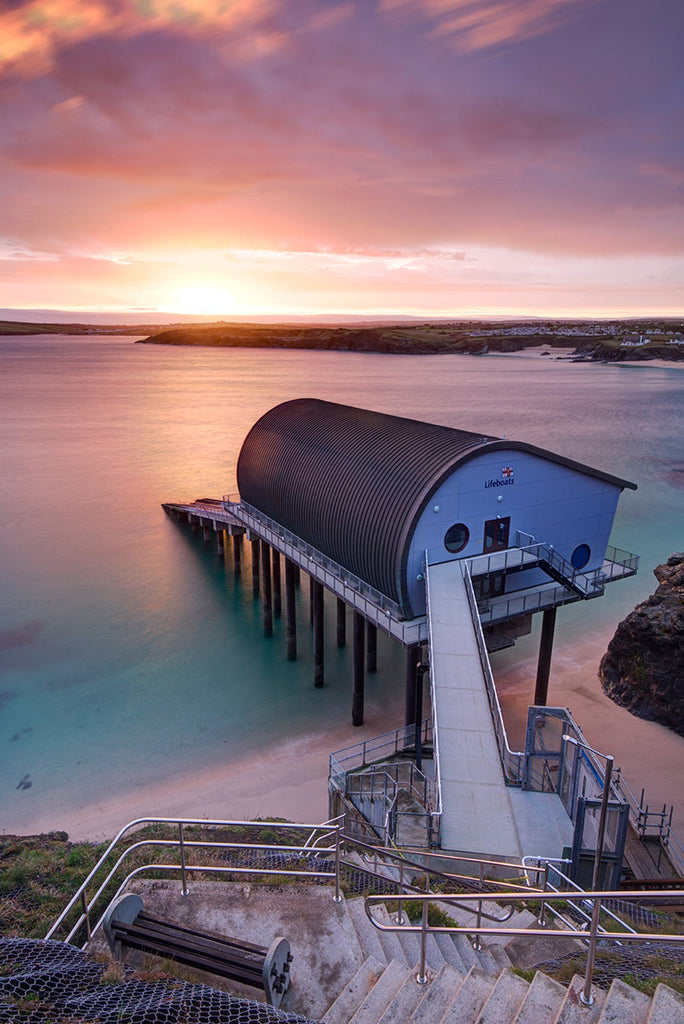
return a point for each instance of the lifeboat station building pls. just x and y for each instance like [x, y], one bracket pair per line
[449, 541]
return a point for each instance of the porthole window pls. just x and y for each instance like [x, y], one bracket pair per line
[456, 537]
[580, 556]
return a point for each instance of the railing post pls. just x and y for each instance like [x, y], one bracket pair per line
[477, 945]
[541, 920]
[86, 914]
[181, 844]
[422, 975]
[586, 996]
[338, 895]
[400, 913]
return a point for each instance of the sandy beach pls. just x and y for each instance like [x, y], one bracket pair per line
[290, 780]
[287, 781]
[552, 354]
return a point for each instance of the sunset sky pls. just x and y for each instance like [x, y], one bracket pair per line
[427, 157]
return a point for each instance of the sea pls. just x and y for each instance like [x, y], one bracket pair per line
[132, 653]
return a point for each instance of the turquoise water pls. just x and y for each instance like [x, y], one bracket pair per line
[129, 651]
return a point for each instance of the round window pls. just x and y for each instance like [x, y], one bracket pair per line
[456, 537]
[580, 556]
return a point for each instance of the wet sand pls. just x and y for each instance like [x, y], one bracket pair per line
[290, 781]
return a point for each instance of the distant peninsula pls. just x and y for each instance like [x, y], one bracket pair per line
[636, 340]
[617, 341]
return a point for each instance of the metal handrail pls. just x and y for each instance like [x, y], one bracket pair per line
[182, 844]
[511, 760]
[347, 577]
[331, 831]
[388, 742]
[548, 885]
[424, 929]
[640, 815]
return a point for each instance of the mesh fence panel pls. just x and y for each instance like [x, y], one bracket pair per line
[46, 981]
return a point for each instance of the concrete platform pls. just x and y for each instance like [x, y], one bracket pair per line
[321, 934]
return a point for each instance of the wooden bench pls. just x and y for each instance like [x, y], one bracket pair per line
[126, 925]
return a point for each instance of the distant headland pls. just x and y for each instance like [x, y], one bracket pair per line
[635, 340]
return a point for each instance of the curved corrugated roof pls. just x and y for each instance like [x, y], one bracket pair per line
[353, 483]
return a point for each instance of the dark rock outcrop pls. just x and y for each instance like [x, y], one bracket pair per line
[643, 668]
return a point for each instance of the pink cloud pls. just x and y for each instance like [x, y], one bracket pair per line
[340, 128]
[479, 24]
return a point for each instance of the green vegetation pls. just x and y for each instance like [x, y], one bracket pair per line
[38, 876]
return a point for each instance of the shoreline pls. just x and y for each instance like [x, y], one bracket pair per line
[361, 339]
[290, 780]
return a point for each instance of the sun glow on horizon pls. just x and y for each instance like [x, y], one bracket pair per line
[204, 299]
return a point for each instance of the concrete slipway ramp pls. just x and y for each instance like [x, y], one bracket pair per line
[481, 815]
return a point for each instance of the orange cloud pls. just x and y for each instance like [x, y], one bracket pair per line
[31, 35]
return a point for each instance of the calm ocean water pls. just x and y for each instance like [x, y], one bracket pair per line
[129, 652]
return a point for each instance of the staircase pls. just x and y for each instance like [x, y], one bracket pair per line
[467, 987]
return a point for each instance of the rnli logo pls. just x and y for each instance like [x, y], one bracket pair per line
[506, 480]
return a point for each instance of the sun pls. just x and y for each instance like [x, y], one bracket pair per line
[203, 300]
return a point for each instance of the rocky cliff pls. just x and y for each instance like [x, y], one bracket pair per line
[643, 668]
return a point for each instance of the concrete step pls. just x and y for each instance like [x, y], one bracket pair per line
[500, 956]
[573, 1011]
[405, 1001]
[450, 951]
[471, 957]
[351, 997]
[410, 942]
[368, 936]
[464, 918]
[667, 1006]
[439, 995]
[506, 999]
[381, 995]
[543, 1001]
[521, 919]
[470, 998]
[390, 943]
[625, 1005]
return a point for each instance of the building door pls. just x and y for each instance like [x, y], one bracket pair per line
[496, 535]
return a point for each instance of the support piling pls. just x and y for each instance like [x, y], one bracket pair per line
[412, 661]
[358, 662]
[318, 625]
[275, 558]
[541, 690]
[341, 623]
[371, 647]
[290, 610]
[267, 594]
[256, 545]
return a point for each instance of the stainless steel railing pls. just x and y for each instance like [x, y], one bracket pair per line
[512, 760]
[478, 930]
[329, 842]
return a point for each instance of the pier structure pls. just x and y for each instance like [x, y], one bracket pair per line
[449, 542]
